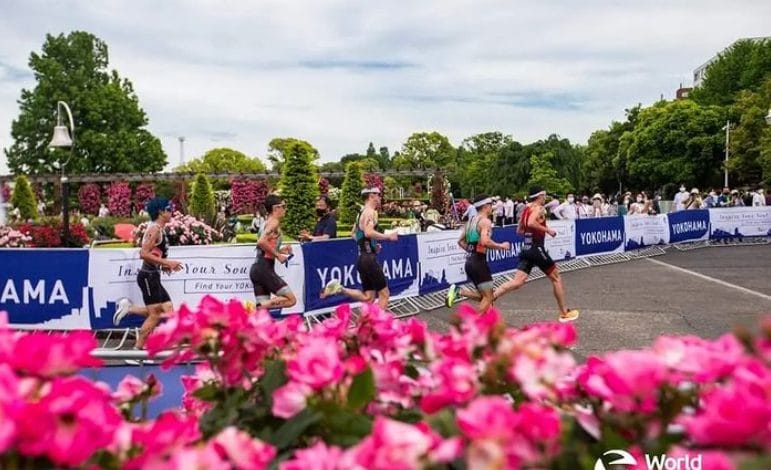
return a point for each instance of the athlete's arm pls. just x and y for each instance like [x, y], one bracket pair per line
[264, 244]
[367, 225]
[151, 239]
[485, 230]
[462, 240]
[534, 225]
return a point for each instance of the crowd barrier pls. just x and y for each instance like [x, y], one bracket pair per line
[57, 289]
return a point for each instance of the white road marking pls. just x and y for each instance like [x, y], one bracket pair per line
[712, 279]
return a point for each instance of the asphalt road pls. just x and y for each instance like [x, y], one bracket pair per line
[704, 292]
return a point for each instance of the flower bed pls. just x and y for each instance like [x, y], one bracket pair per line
[12, 238]
[372, 392]
[183, 230]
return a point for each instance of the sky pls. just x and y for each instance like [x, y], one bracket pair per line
[343, 73]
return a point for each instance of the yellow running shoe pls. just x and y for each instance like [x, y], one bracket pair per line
[570, 315]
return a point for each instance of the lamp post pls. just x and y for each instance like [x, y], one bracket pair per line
[727, 129]
[63, 138]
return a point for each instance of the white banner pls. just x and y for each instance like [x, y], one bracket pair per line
[563, 245]
[219, 270]
[740, 222]
[645, 230]
[442, 261]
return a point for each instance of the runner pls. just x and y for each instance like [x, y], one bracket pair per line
[476, 239]
[533, 226]
[154, 253]
[373, 281]
[263, 272]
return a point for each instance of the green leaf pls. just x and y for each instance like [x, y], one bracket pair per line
[362, 389]
[294, 427]
[209, 392]
[274, 377]
[759, 463]
[347, 427]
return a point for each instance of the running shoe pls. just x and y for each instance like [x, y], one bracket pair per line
[570, 315]
[333, 287]
[122, 309]
[452, 295]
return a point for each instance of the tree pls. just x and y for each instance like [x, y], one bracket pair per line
[202, 204]
[604, 165]
[746, 65]
[745, 163]
[24, 198]
[384, 158]
[543, 174]
[299, 186]
[476, 156]
[277, 151]
[426, 150]
[675, 142]
[223, 160]
[350, 196]
[110, 134]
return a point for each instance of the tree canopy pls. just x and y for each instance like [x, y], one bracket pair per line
[223, 160]
[746, 65]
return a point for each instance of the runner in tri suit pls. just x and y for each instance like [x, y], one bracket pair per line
[476, 239]
[269, 249]
[154, 253]
[373, 281]
[532, 225]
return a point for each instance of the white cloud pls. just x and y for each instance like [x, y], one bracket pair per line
[341, 73]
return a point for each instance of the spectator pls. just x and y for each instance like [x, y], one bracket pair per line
[103, 210]
[519, 209]
[736, 199]
[41, 208]
[259, 220]
[326, 225]
[758, 199]
[508, 211]
[694, 201]
[470, 213]
[552, 205]
[724, 200]
[584, 208]
[622, 205]
[711, 200]
[598, 208]
[567, 210]
[641, 206]
[498, 212]
[680, 198]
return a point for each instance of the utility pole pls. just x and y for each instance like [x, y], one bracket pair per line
[727, 138]
[181, 150]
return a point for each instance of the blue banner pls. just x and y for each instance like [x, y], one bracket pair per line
[688, 225]
[505, 260]
[599, 235]
[336, 259]
[45, 286]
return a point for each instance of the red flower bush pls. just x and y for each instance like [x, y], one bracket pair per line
[323, 186]
[49, 235]
[5, 192]
[247, 195]
[374, 180]
[143, 193]
[119, 199]
[89, 198]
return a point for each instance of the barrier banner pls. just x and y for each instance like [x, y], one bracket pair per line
[442, 261]
[563, 245]
[690, 225]
[45, 288]
[645, 230]
[740, 222]
[336, 259]
[505, 260]
[218, 270]
[599, 235]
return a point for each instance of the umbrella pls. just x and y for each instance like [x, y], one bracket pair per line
[124, 231]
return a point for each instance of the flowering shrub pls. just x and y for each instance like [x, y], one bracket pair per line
[374, 392]
[323, 186]
[12, 238]
[89, 198]
[5, 192]
[49, 234]
[374, 180]
[248, 195]
[183, 230]
[142, 194]
[119, 199]
[461, 205]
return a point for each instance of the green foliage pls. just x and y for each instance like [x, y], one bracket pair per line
[426, 150]
[277, 151]
[746, 65]
[384, 158]
[202, 205]
[110, 134]
[543, 174]
[604, 165]
[23, 198]
[677, 141]
[751, 136]
[350, 196]
[476, 155]
[299, 186]
[223, 160]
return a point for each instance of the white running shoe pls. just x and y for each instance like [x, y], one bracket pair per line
[333, 287]
[122, 309]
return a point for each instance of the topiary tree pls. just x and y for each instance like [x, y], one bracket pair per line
[299, 187]
[24, 199]
[119, 199]
[350, 195]
[89, 198]
[439, 198]
[202, 205]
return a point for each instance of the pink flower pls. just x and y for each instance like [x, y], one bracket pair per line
[627, 380]
[44, 355]
[393, 445]
[161, 438]
[542, 377]
[708, 459]
[698, 359]
[198, 457]
[69, 423]
[130, 388]
[487, 417]
[290, 399]
[317, 363]
[316, 457]
[9, 404]
[457, 383]
[242, 450]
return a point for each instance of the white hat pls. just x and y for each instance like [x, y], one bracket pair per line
[695, 191]
[597, 196]
[372, 190]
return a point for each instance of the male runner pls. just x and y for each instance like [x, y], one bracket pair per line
[373, 281]
[154, 253]
[269, 249]
[475, 240]
[532, 225]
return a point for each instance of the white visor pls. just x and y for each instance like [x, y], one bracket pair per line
[483, 202]
[370, 191]
[533, 196]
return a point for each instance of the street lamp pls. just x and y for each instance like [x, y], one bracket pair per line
[63, 138]
[727, 129]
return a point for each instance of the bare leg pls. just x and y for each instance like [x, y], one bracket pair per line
[559, 291]
[471, 294]
[154, 314]
[382, 298]
[487, 300]
[520, 277]
[138, 310]
[284, 300]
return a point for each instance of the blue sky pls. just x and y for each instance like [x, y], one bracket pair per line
[343, 73]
